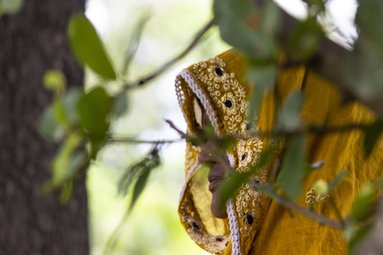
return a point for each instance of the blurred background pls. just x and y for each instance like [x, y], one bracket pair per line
[153, 226]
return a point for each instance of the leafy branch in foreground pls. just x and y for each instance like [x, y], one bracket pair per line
[78, 118]
[131, 140]
[87, 116]
[196, 39]
[137, 176]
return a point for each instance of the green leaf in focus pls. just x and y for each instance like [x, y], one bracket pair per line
[49, 127]
[293, 167]
[94, 108]
[289, 116]
[10, 6]
[88, 48]
[262, 80]
[55, 81]
[120, 103]
[363, 203]
[371, 136]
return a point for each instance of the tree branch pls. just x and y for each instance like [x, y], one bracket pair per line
[293, 206]
[145, 79]
[172, 126]
[139, 141]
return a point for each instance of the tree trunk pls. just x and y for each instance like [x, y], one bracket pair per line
[32, 42]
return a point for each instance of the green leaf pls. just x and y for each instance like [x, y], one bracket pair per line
[230, 186]
[88, 48]
[262, 79]
[66, 192]
[66, 162]
[120, 103]
[305, 40]
[248, 27]
[271, 19]
[133, 173]
[371, 136]
[293, 167]
[134, 42]
[364, 203]
[289, 116]
[363, 69]
[10, 6]
[152, 162]
[70, 101]
[94, 108]
[59, 112]
[77, 161]
[355, 234]
[55, 81]
[49, 127]
[139, 186]
[369, 19]
[226, 143]
[234, 180]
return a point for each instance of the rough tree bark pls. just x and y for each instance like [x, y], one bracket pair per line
[32, 223]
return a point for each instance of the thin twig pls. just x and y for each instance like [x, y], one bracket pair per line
[293, 206]
[138, 141]
[321, 130]
[196, 39]
[172, 126]
[337, 212]
[275, 169]
[284, 201]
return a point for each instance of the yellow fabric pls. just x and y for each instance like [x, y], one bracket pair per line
[273, 229]
[288, 232]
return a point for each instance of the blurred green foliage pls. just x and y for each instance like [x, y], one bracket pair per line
[10, 6]
[88, 48]
[85, 121]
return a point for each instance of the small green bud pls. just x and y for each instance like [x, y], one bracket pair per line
[321, 187]
[55, 81]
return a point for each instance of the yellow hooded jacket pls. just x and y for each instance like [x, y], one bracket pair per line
[255, 224]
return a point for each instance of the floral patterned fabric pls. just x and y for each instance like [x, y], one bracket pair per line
[255, 224]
